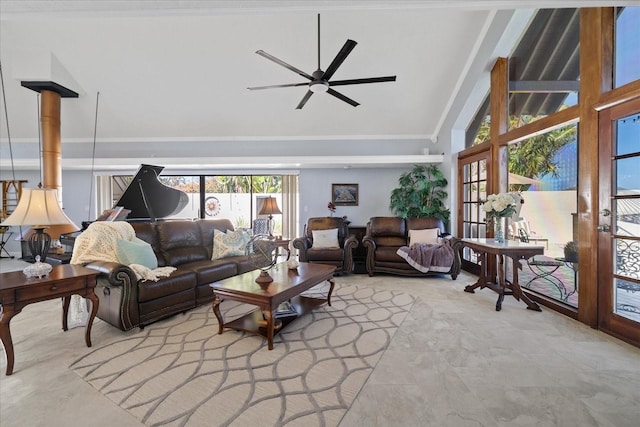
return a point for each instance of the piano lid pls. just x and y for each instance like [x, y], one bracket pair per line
[147, 198]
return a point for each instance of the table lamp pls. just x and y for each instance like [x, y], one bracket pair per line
[38, 207]
[270, 207]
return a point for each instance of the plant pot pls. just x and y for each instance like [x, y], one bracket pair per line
[570, 255]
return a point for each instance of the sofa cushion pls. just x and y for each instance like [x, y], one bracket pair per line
[380, 226]
[230, 243]
[429, 236]
[181, 242]
[211, 271]
[388, 254]
[424, 223]
[136, 251]
[325, 238]
[180, 280]
[324, 254]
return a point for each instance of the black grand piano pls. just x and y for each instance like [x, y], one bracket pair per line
[149, 199]
[146, 198]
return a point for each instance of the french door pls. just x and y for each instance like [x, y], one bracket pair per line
[619, 221]
[473, 172]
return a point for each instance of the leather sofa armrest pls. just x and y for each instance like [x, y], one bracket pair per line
[368, 242]
[302, 244]
[350, 243]
[370, 246]
[114, 275]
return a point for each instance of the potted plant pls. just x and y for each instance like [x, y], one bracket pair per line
[421, 194]
[571, 251]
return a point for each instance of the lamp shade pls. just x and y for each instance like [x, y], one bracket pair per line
[270, 207]
[38, 207]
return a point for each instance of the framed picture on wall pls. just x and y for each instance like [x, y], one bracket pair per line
[344, 194]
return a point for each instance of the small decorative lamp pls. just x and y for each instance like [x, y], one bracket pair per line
[270, 208]
[38, 207]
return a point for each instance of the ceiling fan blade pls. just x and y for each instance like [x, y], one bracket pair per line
[284, 64]
[339, 59]
[304, 100]
[343, 98]
[361, 81]
[275, 86]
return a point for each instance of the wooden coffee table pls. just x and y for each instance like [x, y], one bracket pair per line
[287, 285]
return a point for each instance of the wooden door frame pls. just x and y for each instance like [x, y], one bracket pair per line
[609, 322]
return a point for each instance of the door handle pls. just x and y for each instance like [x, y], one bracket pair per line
[603, 227]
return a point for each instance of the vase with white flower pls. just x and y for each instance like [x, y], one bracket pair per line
[498, 207]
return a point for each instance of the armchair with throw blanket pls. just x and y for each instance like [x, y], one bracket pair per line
[327, 241]
[410, 247]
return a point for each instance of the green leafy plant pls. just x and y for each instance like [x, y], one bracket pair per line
[421, 194]
[571, 251]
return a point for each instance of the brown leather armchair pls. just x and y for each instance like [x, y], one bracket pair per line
[340, 256]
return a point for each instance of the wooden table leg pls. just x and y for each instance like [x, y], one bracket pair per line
[270, 318]
[66, 301]
[482, 277]
[333, 284]
[502, 284]
[95, 302]
[216, 311]
[5, 334]
[517, 291]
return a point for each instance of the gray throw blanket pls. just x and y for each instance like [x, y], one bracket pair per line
[425, 258]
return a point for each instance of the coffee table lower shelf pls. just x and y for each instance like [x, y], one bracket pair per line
[255, 322]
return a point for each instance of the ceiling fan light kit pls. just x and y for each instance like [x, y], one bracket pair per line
[320, 81]
[316, 87]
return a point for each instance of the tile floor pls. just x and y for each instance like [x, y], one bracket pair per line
[455, 361]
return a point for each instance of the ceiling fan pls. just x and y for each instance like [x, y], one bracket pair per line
[320, 80]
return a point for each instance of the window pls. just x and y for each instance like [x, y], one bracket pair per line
[627, 46]
[544, 68]
[235, 197]
[544, 169]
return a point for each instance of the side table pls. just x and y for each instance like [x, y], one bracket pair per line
[508, 249]
[17, 291]
[284, 244]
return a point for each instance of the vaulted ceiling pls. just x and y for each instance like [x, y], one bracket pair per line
[179, 70]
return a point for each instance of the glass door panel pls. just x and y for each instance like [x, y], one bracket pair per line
[619, 228]
[472, 190]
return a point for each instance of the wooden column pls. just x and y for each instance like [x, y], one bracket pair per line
[51, 143]
[596, 74]
[499, 125]
[51, 154]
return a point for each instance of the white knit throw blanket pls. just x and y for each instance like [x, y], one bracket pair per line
[98, 243]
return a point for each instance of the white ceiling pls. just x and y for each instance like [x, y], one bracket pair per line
[177, 71]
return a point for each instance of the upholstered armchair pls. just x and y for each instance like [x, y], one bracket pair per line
[326, 240]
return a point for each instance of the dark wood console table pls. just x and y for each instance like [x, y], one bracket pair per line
[16, 292]
[508, 249]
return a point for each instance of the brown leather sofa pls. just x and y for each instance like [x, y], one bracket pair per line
[126, 302]
[341, 256]
[386, 234]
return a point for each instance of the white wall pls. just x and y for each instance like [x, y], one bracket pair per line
[375, 186]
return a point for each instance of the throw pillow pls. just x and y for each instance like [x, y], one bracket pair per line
[429, 236]
[230, 243]
[136, 251]
[325, 238]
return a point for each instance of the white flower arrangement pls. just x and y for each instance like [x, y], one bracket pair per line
[501, 205]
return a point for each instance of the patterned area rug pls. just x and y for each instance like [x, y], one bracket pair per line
[181, 372]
